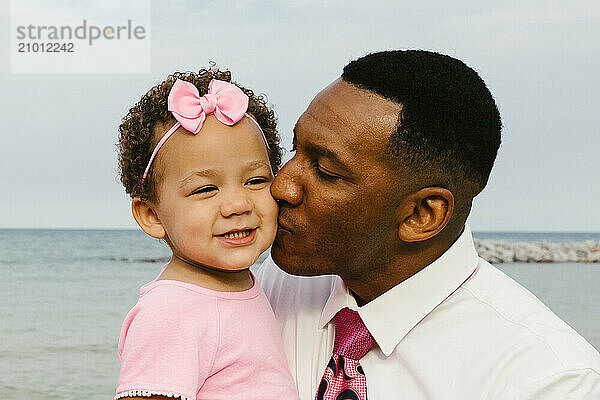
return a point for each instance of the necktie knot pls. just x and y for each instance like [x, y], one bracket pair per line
[352, 338]
[344, 378]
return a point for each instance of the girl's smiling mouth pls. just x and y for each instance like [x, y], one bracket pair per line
[238, 237]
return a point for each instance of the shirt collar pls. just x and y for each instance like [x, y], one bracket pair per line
[393, 314]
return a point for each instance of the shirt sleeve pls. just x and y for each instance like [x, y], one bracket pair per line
[167, 344]
[582, 384]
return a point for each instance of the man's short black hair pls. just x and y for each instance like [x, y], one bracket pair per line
[449, 124]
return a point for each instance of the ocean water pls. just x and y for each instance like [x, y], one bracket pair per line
[539, 236]
[64, 295]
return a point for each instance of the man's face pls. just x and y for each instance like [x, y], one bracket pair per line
[338, 194]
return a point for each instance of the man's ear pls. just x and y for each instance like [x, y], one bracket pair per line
[425, 214]
[146, 217]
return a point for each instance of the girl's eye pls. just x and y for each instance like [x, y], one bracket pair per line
[258, 181]
[204, 190]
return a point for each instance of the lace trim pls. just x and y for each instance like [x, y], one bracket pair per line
[148, 393]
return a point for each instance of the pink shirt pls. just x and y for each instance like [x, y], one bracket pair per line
[195, 343]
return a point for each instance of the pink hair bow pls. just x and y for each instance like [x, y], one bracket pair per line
[226, 101]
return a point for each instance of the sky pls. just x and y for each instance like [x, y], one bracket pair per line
[540, 60]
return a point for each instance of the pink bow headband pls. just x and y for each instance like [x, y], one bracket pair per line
[226, 101]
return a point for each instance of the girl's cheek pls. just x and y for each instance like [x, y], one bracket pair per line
[265, 201]
[273, 207]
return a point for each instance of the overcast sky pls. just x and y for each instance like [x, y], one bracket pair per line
[540, 59]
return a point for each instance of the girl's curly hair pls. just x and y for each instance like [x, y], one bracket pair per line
[137, 135]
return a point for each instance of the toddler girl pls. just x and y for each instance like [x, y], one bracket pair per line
[197, 155]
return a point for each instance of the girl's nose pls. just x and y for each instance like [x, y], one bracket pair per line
[236, 203]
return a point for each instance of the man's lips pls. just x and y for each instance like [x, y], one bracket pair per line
[284, 226]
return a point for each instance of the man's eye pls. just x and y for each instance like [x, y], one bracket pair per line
[325, 174]
[205, 189]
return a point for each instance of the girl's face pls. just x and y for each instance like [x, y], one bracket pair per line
[214, 199]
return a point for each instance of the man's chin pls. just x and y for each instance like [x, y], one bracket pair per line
[293, 264]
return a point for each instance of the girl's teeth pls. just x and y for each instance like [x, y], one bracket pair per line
[237, 235]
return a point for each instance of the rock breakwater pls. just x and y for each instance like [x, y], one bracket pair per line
[500, 251]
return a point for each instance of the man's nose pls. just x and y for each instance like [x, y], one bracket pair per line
[236, 202]
[287, 185]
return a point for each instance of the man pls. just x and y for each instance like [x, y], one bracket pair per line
[388, 160]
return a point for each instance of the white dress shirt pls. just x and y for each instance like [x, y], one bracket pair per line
[458, 329]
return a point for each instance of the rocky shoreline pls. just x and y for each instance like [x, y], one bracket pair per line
[495, 252]
[500, 251]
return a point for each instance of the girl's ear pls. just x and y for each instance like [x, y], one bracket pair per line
[146, 217]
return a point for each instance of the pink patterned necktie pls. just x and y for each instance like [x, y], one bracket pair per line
[344, 378]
